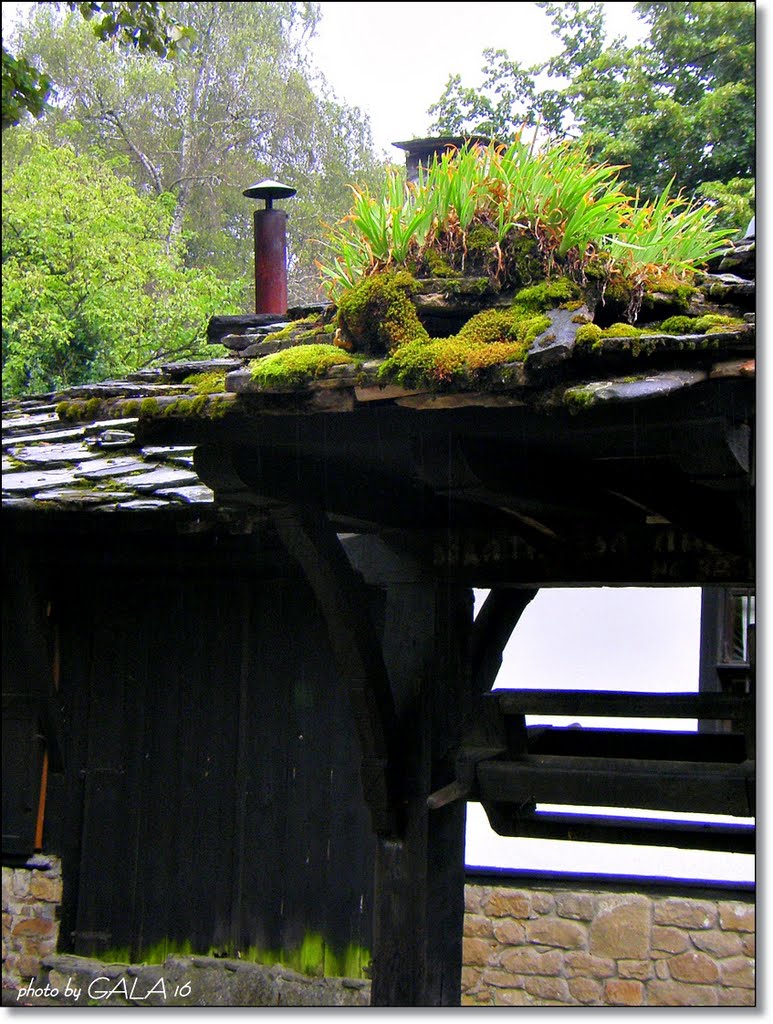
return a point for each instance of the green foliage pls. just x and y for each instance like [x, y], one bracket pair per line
[25, 89]
[297, 366]
[734, 200]
[144, 26]
[680, 104]
[572, 213]
[92, 288]
[242, 103]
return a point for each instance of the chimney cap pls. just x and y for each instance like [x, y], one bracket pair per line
[437, 143]
[269, 190]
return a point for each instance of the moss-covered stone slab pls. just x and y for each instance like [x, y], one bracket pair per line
[623, 389]
[556, 344]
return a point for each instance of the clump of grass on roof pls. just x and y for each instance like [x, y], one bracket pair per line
[573, 214]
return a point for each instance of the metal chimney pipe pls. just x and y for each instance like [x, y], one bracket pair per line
[270, 228]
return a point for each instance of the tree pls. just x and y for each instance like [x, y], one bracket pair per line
[91, 287]
[241, 104]
[681, 104]
[146, 26]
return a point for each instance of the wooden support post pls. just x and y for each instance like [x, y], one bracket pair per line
[419, 884]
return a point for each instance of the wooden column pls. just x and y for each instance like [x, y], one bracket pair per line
[419, 877]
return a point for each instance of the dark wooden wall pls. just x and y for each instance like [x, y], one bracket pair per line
[212, 793]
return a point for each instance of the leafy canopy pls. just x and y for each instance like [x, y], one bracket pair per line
[145, 26]
[91, 287]
[680, 104]
[243, 102]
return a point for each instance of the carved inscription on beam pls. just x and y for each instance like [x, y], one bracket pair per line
[645, 555]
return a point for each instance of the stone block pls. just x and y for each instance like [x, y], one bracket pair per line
[737, 997]
[718, 944]
[623, 992]
[7, 889]
[748, 944]
[509, 932]
[511, 997]
[661, 970]
[576, 906]
[674, 993]
[21, 882]
[473, 895]
[681, 913]
[622, 931]
[671, 940]
[34, 927]
[585, 990]
[531, 961]
[695, 968]
[737, 972]
[508, 903]
[553, 931]
[543, 902]
[736, 917]
[28, 965]
[477, 952]
[476, 926]
[588, 966]
[501, 979]
[548, 988]
[470, 978]
[638, 970]
[45, 888]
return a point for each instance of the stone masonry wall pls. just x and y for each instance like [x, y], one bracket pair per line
[571, 947]
[31, 898]
[545, 944]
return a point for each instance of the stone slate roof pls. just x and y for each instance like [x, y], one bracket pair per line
[82, 448]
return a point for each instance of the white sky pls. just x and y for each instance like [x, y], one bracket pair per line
[392, 60]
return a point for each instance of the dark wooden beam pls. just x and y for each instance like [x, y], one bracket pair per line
[621, 704]
[638, 555]
[704, 787]
[419, 890]
[599, 828]
[493, 627]
[340, 591]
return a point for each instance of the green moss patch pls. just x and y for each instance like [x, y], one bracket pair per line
[378, 315]
[211, 383]
[709, 323]
[297, 366]
[549, 294]
[492, 337]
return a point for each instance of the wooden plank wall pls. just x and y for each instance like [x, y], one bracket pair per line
[212, 793]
